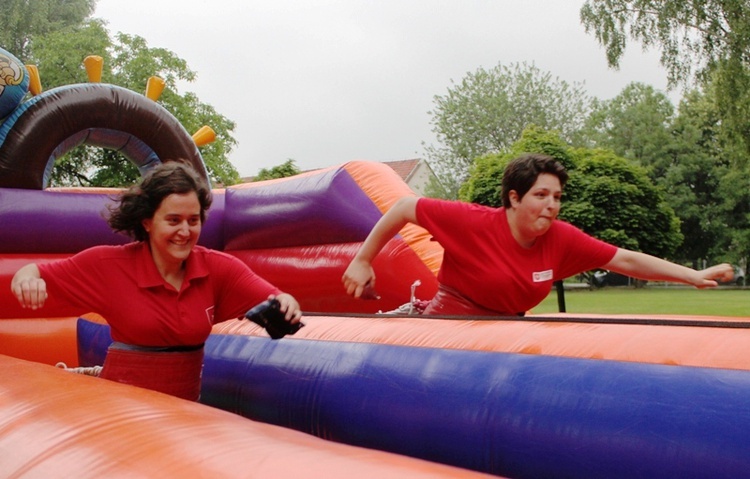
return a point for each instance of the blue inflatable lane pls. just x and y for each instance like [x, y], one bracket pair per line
[521, 416]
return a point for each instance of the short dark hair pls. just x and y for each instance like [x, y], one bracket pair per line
[141, 200]
[522, 172]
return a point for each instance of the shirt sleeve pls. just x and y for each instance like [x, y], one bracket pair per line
[237, 287]
[583, 252]
[443, 216]
[72, 281]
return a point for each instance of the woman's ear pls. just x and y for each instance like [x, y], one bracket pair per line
[513, 197]
[146, 225]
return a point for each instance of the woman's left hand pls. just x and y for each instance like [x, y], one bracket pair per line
[710, 276]
[289, 306]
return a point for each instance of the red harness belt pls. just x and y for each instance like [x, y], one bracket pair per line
[171, 372]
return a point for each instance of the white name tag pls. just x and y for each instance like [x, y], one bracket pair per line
[542, 276]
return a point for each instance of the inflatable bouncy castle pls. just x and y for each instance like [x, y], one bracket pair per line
[355, 392]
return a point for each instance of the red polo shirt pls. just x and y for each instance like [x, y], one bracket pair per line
[122, 284]
[483, 261]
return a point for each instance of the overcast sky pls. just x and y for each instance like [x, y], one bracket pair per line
[324, 82]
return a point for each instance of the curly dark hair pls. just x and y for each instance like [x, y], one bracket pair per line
[141, 200]
[521, 174]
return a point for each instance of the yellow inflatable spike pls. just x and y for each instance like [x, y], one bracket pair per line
[93, 64]
[35, 82]
[204, 136]
[154, 87]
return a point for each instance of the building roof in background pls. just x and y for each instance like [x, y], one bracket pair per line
[404, 168]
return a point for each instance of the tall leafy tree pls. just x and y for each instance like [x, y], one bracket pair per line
[693, 36]
[692, 173]
[698, 39]
[487, 111]
[686, 154]
[59, 54]
[635, 124]
[128, 62]
[735, 188]
[616, 201]
[23, 20]
[730, 89]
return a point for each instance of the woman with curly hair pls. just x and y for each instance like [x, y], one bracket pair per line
[160, 294]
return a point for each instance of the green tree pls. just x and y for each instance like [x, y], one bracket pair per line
[693, 36]
[617, 202]
[284, 170]
[635, 124]
[692, 173]
[683, 154]
[59, 54]
[487, 112]
[128, 62]
[23, 20]
[730, 88]
[606, 196]
[735, 189]
[699, 40]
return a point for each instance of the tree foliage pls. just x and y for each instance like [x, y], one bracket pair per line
[487, 112]
[730, 87]
[691, 155]
[635, 124]
[693, 36]
[617, 202]
[700, 41]
[284, 170]
[22, 21]
[692, 173]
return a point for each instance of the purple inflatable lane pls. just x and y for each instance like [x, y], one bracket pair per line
[44, 222]
[308, 210]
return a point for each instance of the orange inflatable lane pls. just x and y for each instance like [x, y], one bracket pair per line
[718, 342]
[55, 423]
[46, 340]
[384, 187]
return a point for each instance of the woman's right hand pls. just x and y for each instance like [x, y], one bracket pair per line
[358, 274]
[28, 287]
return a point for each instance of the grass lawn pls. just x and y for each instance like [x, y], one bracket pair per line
[652, 300]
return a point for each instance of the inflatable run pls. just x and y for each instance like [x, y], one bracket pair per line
[356, 392]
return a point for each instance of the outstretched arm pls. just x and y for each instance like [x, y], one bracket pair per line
[643, 266]
[359, 272]
[29, 287]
